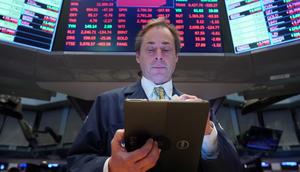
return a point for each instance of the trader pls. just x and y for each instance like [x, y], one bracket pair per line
[99, 147]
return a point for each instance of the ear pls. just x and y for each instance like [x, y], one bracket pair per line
[176, 58]
[137, 57]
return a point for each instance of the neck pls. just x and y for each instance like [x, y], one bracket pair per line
[157, 83]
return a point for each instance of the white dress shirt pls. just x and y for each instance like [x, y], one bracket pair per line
[148, 87]
[209, 146]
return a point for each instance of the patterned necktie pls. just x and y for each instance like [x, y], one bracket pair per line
[159, 92]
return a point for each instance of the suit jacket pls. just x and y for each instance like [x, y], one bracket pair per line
[92, 146]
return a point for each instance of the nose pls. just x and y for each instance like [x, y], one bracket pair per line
[158, 54]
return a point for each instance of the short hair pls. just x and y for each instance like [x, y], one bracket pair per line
[155, 23]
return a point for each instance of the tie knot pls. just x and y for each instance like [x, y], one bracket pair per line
[159, 92]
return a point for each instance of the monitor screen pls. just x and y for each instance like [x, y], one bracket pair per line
[111, 25]
[260, 138]
[256, 24]
[29, 22]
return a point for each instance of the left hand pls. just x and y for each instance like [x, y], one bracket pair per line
[187, 97]
[140, 160]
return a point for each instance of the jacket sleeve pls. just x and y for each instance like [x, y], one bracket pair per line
[227, 159]
[89, 151]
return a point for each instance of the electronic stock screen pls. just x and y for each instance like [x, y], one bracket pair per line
[29, 22]
[261, 23]
[111, 25]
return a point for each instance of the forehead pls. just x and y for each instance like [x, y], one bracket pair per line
[158, 34]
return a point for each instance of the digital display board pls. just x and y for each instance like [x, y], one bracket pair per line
[111, 25]
[29, 22]
[256, 24]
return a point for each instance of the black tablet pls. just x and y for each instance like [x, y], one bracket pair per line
[177, 126]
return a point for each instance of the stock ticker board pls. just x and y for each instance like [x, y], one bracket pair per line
[30, 23]
[257, 24]
[111, 25]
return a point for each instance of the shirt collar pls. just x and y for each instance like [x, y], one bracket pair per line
[149, 85]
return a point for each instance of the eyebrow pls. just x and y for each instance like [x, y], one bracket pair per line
[164, 43]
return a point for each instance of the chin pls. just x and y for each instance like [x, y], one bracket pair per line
[159, 77]
[160, 80]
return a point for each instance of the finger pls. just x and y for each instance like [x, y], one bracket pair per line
[193, 100]
[175, 97]
[186, 96]
[182, 97]
[208, 127]
[151, 159]
[117, 140]
[142, 152]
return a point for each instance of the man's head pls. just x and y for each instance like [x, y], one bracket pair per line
[157, 46]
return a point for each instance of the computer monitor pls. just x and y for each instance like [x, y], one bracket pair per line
[260, 138]
[111, 26]
[257, 24]
[30, 23]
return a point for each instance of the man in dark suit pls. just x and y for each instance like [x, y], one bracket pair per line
[99, 145]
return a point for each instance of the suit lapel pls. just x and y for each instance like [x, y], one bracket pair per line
[135, 91]
[176, 92]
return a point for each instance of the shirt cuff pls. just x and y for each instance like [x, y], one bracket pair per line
[105, 167]
[210, 144]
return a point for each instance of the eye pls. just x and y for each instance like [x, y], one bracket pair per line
[165, 49]
[150, 49]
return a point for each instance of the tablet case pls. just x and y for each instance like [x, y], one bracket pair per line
[177, 126]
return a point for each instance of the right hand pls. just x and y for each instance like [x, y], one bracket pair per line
[139, 160]
[187, 97]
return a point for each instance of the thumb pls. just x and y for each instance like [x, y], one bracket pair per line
[117, 140]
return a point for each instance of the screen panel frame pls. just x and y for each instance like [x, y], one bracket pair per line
[62, 26]
[34, 48]
[256, 50]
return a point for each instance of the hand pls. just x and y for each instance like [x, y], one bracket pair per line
[139, 160]
[209, 127]
[187, 97]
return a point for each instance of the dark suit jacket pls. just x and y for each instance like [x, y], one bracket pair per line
[92, 145]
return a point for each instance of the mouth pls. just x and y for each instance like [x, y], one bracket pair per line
[158, 67]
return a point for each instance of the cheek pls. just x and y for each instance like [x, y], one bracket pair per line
[147, 61]
[145, 64]
[172, 61]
